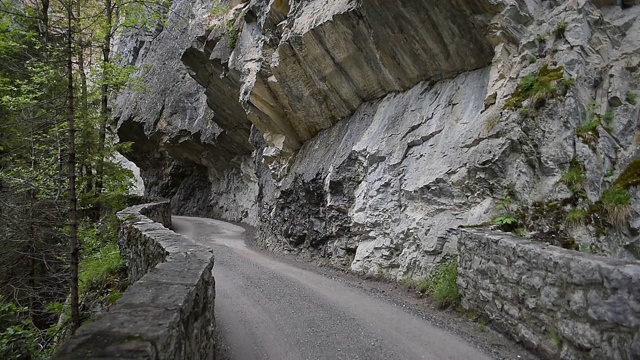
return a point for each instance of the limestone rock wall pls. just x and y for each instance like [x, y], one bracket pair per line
[364, 133]
[168, 313]
[564, 304]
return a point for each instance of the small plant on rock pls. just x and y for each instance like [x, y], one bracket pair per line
[219, 10]
[491, 123]
[539, 87]
[631, 98]
[588, 131]
[526, 112]
[234, 33]
[507, 221]
[555, 337]
[584, 247]
[560, 29]
[576, 217]
[616, 202]
[607, 120]
[574, 178]
[565, 84]
[541, 37]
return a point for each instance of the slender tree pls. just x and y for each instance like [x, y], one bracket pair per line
[73, 201]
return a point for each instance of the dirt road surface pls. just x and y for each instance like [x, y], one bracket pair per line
[270, 309]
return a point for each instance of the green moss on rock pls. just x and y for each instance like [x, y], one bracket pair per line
[547, 83]
[630, 177]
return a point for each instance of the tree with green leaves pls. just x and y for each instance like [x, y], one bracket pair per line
[57, 73]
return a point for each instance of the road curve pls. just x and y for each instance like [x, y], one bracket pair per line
[267, 309]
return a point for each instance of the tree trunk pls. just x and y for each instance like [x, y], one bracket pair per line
[86, 141]
[73, 201]
[104, 96]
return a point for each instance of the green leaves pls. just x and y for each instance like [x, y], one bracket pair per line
[505, 220]
[19, 338]
[118, 76]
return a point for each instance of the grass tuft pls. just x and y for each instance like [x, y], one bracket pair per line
[539, 87]
[101, 269]
[491, 123]
[574, 178]
[561, 28]
[442, 284]
[576, 217]
[616, 202]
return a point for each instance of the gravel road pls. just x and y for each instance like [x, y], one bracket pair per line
[269, 309]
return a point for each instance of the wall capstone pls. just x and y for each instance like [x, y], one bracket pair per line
[563, 304]
[168, 313]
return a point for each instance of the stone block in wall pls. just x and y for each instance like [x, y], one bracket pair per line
[562, 304]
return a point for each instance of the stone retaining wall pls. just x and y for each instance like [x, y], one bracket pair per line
[168, 313]
[138, 245]
[562, 304]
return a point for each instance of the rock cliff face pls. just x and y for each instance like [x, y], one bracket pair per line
[366, 132]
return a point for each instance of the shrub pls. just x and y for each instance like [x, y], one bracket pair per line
[19, 338]
[631, 98]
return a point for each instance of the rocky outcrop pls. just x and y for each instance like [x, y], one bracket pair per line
[168, 313]
[178, 141]
[564, 304]
[367, 137]
[296, 68]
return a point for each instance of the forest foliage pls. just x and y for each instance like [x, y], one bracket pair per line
[59, 183]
